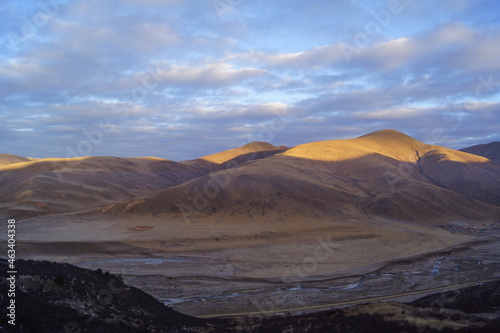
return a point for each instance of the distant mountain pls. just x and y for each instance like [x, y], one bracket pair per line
[6, 159]
[248, 149]
[59, 185]
[489, 150]
[236, 156]
[51, 186]
[386, 174]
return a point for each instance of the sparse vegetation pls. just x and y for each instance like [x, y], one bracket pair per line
[94, 301]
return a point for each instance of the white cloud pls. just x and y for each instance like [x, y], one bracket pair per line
[210, 75]
[229, 78]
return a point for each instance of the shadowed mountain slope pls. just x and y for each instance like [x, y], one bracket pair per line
[236, 156]
[64, 185]
[49, 186]
[490, 150]
[385, 173]
[250, 148]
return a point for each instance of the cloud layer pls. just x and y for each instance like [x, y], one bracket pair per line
[180, 80]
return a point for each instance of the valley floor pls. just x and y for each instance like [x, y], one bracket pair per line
[211, 267]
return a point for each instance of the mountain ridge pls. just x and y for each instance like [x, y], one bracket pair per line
[385, 173]
[7, 159]
[489, 150]
[407, 179]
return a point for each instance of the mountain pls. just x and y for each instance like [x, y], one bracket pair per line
[50, 186]
[6, 159]
[236, 156]
[386, 174]
[490, 150]
[262, 149]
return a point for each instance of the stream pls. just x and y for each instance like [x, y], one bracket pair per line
[434, 271]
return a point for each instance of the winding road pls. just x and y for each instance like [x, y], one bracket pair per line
[354, 302]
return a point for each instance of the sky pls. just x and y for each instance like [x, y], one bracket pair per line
[183, 79]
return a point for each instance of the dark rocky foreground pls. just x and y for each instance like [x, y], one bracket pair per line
[52, 297]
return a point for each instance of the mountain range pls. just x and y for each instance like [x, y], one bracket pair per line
[382, 174]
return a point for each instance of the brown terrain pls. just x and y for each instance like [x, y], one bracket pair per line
[489, 150]
[54, 297]
[6, 159]
[267, 229]
[385, 174]
[59, 185]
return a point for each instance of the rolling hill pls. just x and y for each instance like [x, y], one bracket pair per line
[250, 151]
[6, 159]
[490, 150]
[51, 186]
[386, 174]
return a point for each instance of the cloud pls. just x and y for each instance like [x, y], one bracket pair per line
[316, 58]
[177, 74]
[210, 75]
